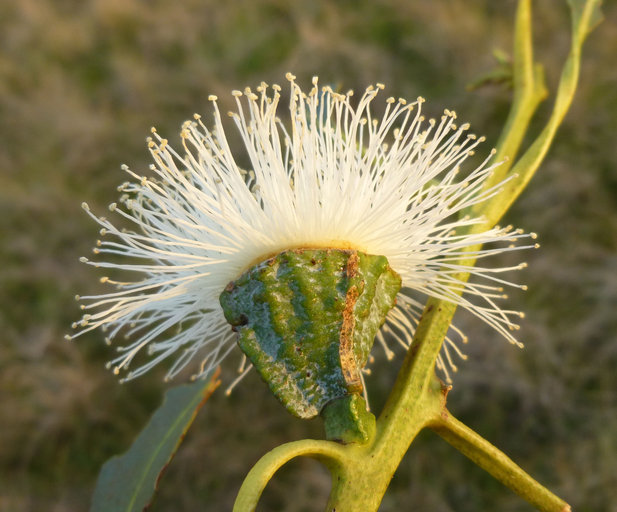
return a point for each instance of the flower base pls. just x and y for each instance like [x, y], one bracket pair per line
[307, 320]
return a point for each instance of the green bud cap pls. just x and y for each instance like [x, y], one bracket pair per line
[307, 320]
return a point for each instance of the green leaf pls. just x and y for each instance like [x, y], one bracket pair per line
[502, 73]
[129, 481]
[497, 76]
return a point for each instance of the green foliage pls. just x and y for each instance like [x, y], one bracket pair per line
[127, 482]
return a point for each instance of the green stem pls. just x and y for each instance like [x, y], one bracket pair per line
[585, 16]
[361, 484]
[494, 461]
[528, 92]
[332, 454]
[360, 473]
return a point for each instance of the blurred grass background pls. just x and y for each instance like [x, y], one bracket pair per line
[81, 82]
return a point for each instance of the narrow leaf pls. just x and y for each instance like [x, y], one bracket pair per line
[128, 482]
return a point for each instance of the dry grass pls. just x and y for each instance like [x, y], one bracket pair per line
[80, 85]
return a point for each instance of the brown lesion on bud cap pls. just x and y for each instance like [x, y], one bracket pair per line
[349, 366]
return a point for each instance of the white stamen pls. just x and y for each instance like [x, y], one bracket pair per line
[330, 175]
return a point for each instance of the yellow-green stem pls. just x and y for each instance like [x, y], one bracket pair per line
[529, 90]
[504, 469]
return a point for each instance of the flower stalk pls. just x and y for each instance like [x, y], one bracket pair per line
[495, 462]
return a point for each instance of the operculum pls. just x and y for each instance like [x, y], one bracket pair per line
[307, 320]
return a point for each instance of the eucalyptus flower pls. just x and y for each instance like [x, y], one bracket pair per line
[329, 173]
